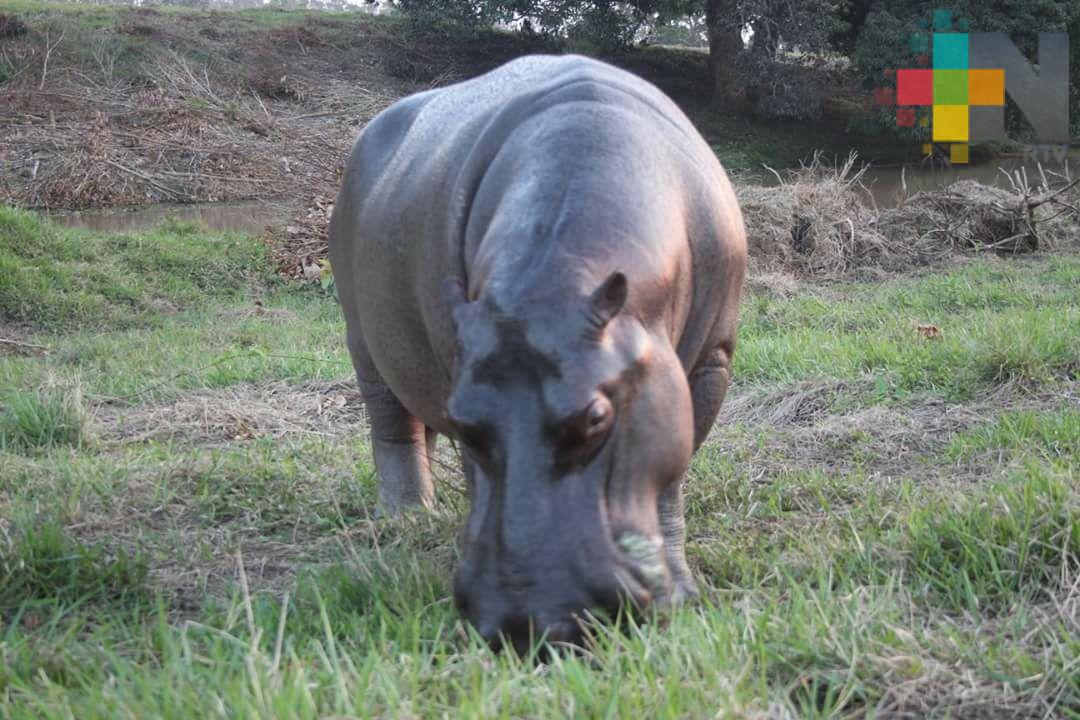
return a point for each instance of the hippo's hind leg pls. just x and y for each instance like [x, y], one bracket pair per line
[708, 385]
[403, 446]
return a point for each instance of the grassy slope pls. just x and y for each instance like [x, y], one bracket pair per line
[883, 522]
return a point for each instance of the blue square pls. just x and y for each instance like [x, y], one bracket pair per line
[950, 51]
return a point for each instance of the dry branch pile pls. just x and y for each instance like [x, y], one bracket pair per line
[822, 220]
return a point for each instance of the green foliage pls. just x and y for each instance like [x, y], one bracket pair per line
[998, 326]
[602, 23]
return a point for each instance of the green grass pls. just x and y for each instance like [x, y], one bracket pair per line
[1050, 434]
[43, 418]
[40, 563]
[998, 323]
[906, 542]
[1017, 544]
[56, 278]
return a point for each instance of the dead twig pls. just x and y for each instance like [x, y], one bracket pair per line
[48, 53]
[24, 346]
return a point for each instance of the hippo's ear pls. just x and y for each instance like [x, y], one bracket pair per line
[608, 299]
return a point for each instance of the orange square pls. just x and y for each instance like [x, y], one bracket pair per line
[986, 87]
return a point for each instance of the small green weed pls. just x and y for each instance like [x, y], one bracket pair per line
[39, 562]
[50, 416]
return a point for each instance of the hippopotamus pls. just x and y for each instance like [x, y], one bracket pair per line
[544, 264]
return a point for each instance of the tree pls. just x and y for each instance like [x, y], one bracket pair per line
[765, 77]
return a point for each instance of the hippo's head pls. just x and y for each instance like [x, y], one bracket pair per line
[574, 419]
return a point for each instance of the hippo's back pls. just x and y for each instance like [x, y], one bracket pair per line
[407, 199]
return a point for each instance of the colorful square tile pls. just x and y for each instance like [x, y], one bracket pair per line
[958, 153]
[914, 87]
[950, 87]
[950, 123]
[986, 87]
[951, 51]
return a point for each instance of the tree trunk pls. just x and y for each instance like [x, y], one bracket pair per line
[725, 43]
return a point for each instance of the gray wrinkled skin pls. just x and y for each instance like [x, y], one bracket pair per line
[543, 263]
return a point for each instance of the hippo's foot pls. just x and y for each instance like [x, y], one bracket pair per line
[684, 588]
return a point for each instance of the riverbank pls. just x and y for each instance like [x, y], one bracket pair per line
[106, 105]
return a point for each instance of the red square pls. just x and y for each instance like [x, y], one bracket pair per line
[914, 87]
[905, 117]
[883, 96]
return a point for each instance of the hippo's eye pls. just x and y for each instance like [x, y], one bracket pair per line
[598, 416]
[589, 425]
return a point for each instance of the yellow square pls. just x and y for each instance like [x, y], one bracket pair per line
[950, 123]
[958, 153]
[924, 119]
[986, 86]
[927, 148]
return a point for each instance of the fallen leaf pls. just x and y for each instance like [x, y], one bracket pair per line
[930, 332]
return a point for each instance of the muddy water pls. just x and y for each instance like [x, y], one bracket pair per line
[887, 184]
[235, 217]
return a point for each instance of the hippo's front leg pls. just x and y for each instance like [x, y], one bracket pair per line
[708, 386]
[402, 445]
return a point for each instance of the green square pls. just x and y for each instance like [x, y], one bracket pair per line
[951, 51]
[950, 87]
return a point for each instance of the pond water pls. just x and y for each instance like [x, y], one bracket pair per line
[887, 183]
[251, 217]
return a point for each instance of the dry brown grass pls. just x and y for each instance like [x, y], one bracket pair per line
[240, 412]
[270, 114]
[821, 220]
[794, 427]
